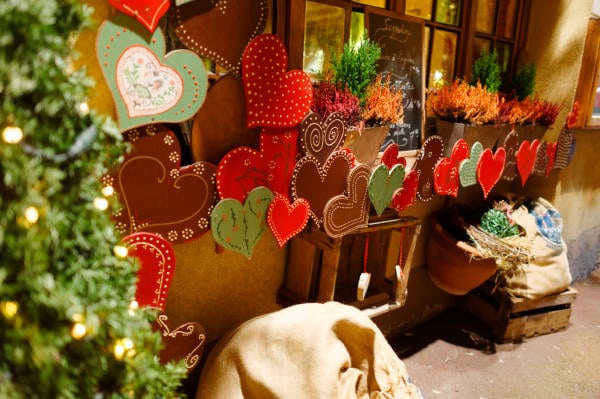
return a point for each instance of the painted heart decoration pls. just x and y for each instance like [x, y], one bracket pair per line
[405, 196]
[185, 342]
[320, 138]
[346, 213]
[551, 156]
[511, 146]
[565, 149]
[460, 152]
[202, 25]
[274, 97]
[159, 196]
[467, 170]
[148, 86]
[382, 185]
[430, 153]
[390, 156]
[446, 179]
[239, 227]
[489, 169]
[157, 267]
[287, 220]
[244, 168]
[146, 12]
[526, 158]
[541, 160]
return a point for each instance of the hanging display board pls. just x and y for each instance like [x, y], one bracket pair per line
[401, 42]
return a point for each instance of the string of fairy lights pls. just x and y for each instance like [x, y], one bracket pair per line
[122, 347]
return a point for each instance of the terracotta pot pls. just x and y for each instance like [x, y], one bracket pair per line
[454, 265]
[366, 143]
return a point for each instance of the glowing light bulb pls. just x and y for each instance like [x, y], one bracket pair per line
[77, 317]
[133, 306]
[119, 350]
[83, 108]
[31, 214]
[123, 347]
[12, 134]
[107, 191]
[120, 251]
[101, 203]
[9, 309]
[78, 331]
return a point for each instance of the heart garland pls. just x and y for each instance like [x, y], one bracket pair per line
[526, 158]
[541, 159]
[489, 169]
[405, 196]
[185, 342]
[429, 155]
[239, 227]
[148, 86]
[565, 149]
[446, 180]
[321, 138]
[390, 156]
[287, 220]
[551, 156]
[274, 97]
[146, 12]
[382, 185]
[467, 170]
[511, 146]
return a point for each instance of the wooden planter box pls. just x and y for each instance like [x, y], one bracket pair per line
[513, 319]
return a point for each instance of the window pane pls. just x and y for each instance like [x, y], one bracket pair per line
[323, 36]
[419, 8]
[357, 27]
[505, 25]
[441, 67]
[595, 120]
[448, 11]
[485, 16]
[479, 45]
[504, 52]
[374, 3]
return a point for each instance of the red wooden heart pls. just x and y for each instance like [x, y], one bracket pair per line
[446, 177]
[511, 146]
[185, 342]
[285, 219]
[244, 168]
[147, 12]
[157, 267]
[430, 153]
[390, 156]
[460, 152]
[202, 26]
[405, 196]
[274, 97]
[160, 197]
[526, 158]
[541, 159]
[320, 138]
[489, 169]
[551, 155]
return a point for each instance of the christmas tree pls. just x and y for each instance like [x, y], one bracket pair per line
[68, 325]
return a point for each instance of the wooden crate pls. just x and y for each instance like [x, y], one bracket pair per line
[513, 319]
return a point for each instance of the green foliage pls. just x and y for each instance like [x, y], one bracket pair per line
[523, 83]
[356, 67]
[486, 70]
[496, 223]
[61, 268]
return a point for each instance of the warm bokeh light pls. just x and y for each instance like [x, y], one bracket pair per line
[31, 214]
[12, 134]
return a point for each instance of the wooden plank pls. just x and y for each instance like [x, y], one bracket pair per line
[328, 275]
[300, 268]
[537, 324]
[522, 305]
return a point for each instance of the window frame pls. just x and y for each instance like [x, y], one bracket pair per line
[585, 92]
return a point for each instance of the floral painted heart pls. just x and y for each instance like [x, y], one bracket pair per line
[541, 160]
[467, 170]
[511, 146]
[287, 220]
[202, 25]
[382, 185]
[185, 342]
[274, 97]
[346, 213]
[320, 138]
[551, 155]
[405, 196]
[446, 179]
[429, 155]
[148, 86]
[157, 268]
[526, 158]
[239, 227]
[318, 184]
[147, 12]
[160, 197]
[489, 169]
[244, 168]
[390, 156]
[565, 149]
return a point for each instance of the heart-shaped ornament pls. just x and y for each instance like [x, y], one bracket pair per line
[429, 155]
[489, 169]
[467, 170]
[148, 86]
[274, 97]
[157, 267]
[460, 152]
[565, 149]
[511, 146]
[287, 220]
[202, 26]
[551, 156]
[239, 227]
[244, 168]
[405, 196]
[541, 160]
[185, 342]
[320, 138]
[382, 185]
[158, 196]
[146, 12]
[446, 180]
[526, 158]
[390, 156]
[346, 213]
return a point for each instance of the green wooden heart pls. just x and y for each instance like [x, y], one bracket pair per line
[239, 227]
[382, 184]
[148, 86]
[467, 171]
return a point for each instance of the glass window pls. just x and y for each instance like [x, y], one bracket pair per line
[504, 53]
[596, 107]
[323, 36]
[357, 27]
[442, 61]
[374, 3]
[485, 16]
[479, 45]
[419, 8]
[448, 12]
[505, 24]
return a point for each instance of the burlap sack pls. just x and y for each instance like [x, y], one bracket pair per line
[548, 273]
[307, 351]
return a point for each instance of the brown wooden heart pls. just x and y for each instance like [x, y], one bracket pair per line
[185, 342]
[541, 160]
[320, 138]
[160, 197]
[221, 32]
[511, 145]
[345, 213]
[430, 153]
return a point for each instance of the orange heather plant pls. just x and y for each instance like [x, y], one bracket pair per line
[529, 111]
[383, 103]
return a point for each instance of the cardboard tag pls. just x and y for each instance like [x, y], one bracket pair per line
[363, 286]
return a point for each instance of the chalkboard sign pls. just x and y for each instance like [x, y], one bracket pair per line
[401, 42]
